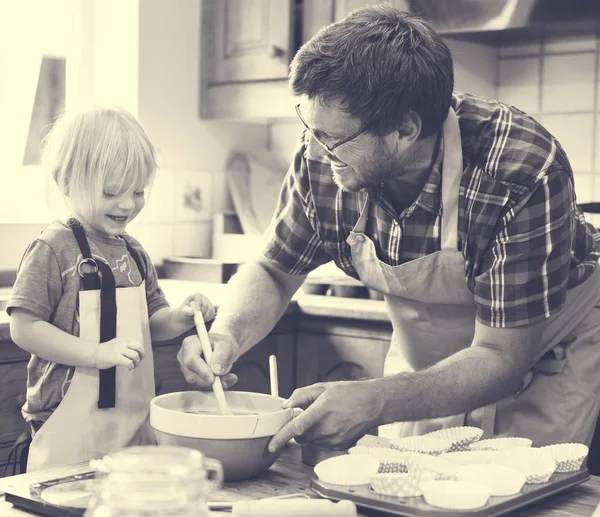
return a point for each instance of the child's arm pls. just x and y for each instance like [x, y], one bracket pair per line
[40, 338]
[170, 322]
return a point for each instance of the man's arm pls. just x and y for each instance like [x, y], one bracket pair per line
[492, 368]
[257, 296]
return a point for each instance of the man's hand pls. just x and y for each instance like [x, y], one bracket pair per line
[336, 414]
[194, 367]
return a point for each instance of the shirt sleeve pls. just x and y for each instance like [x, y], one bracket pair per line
[38, 287]
[525, 273]
[292, 241]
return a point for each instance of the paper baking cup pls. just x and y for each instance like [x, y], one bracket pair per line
[390, 460]
[500, 479]
[443, 469]
[470, 457]
[568, 456]
[400, 485]
[348, 470]
[459, 437]
[500, 444]
[537, 465]
[455, 495]
[422, 444]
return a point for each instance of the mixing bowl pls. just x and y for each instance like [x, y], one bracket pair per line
[239, 441]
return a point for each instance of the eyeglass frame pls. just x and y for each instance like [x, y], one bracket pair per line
[330, 148]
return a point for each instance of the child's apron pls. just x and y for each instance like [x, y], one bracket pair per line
[433, 316]
[103, 411]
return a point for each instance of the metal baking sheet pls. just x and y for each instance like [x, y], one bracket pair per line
[65, 497]
[364, 497]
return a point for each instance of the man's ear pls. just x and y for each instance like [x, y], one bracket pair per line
[410, 128]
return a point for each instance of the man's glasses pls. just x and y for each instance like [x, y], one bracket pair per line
[330, 147]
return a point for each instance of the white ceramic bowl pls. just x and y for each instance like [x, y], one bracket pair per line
[238, 441]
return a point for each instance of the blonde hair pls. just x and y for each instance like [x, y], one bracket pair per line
[88, 148]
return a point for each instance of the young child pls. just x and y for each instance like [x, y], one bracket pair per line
[87, 299]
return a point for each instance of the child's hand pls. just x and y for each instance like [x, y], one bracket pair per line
[120, 351]
[185, 314]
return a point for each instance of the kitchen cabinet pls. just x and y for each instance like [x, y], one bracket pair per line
[249, 39]
[252, 368]
[336, 349]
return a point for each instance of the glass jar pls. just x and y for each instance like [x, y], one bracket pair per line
[155, 481]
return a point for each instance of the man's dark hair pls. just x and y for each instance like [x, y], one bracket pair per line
[379, 62]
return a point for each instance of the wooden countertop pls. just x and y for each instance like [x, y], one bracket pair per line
[290, 476]
[314, 305]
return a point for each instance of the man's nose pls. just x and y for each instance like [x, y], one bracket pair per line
[315, 149]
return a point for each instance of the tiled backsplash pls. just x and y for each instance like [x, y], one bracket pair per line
[556, 81]
[177, 219]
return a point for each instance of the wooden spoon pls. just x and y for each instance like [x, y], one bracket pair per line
[207, 351]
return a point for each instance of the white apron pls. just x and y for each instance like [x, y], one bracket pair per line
[78, 430]
[433, 316]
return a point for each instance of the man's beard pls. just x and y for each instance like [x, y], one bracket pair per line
[380, 168]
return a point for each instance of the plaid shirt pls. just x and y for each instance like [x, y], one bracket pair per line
[523, 238]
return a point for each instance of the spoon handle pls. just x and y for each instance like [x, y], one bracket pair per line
[207, 352]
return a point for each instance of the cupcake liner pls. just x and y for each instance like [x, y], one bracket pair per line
[400, 485]
[392, 468]
[500, 444]
[460, 437]
[443, 469]
[455, 495]
[422, 444]
[500, 479]
[537, 465]
[470, 457]
[568, 456]
[348, 470]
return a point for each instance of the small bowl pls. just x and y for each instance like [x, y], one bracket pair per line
[239, 441]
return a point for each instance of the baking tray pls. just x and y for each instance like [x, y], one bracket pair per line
[417, 507]
[61, 497]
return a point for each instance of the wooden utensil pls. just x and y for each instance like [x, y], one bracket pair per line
[207, 351]
[273, 375]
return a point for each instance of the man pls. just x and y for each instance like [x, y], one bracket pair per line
[462, 212]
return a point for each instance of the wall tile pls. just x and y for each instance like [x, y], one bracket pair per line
[519, 80]
[284, 136]
[584, 187]
[14, 239]
[597, 147]
[570, 43]
[575, 134]
[193, 239]
[193, 196]
[160, 205]
[568, 83]
[521, 49]
[158, 239]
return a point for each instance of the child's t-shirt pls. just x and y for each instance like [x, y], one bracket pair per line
[48, 285]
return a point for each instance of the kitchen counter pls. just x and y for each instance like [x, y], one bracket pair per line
[314, 305]
[290, 476]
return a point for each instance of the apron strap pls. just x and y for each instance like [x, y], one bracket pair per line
[90, 279]
[108, 309]
[138, 260]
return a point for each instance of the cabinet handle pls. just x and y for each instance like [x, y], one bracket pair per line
[274, 51]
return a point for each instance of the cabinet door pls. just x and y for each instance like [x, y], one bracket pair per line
[250, 39]
[344, 7]
[252, 368]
